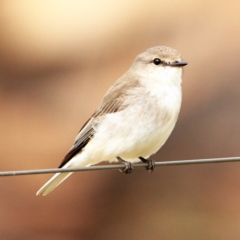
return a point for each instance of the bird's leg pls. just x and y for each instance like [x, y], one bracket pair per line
[150, 162]
[128, 166]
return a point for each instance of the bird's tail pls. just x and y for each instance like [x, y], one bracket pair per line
[57, 179]
[53, 183]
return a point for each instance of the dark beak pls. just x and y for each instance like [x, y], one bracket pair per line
[179, 64]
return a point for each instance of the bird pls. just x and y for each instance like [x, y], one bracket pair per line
[134, 119]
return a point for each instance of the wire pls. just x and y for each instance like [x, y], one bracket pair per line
[118, 166]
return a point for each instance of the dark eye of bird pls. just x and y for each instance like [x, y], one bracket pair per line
[157, 61]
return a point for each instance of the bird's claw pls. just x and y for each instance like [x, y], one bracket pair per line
[151, 166]
[128, 166]
[150, 162]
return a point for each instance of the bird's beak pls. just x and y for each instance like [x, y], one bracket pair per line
[178, 64]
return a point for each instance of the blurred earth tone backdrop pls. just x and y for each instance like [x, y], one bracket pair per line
[57, 60]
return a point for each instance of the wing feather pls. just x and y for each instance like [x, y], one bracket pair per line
[113, 101]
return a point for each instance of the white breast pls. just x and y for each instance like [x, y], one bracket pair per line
[142, 128]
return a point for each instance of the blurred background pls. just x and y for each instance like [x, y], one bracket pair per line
[57, 60]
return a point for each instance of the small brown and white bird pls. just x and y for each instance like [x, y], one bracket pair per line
[134, 119]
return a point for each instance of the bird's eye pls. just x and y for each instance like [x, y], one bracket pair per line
[157, 61]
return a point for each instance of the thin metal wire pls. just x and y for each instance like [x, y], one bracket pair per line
[118, 166]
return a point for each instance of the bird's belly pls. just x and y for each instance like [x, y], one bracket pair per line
[131, 136]
[147, 140]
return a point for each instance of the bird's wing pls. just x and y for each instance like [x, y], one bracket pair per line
[81, 141]
[113, 101]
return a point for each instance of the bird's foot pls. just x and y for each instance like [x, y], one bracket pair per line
[128, 166]
[150, 162]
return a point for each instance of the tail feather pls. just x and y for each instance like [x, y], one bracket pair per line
[57, 179]
[53, 183]
[80, 160]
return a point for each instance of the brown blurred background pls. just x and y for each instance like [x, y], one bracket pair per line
[57, 59]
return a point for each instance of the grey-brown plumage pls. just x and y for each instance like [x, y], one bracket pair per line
[135, 117]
